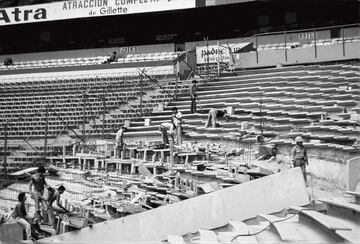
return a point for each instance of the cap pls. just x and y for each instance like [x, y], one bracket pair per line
[299, 139]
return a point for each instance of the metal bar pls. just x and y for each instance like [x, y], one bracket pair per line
[84, 119]
[103, 119]
[67, 125]
[256, 45]
[315, 46]
[21, 138]
[155, 81]
[46, 129]
[192, 69]
[5, 147]
[141, 95]
[218, 58]
[286, 54]
[343, 40]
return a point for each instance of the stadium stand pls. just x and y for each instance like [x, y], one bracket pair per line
[282, 77]
[285, 102]
[86, 61]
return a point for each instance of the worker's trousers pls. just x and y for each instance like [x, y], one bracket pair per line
[302, 164]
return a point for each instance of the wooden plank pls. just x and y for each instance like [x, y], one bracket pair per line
[286, 231]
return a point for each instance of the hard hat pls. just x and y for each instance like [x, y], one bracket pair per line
[299, 139]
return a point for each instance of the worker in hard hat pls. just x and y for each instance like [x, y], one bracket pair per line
[299, 156]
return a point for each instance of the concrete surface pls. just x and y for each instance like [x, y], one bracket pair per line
[353, 173]
[265, 195]
[11, 232]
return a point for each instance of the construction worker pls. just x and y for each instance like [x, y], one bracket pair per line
[176, 119]
[39, 183]
[20, 216]
[119, 142]
[299, 156]
[193, 96]
[55, 196]
[216, 113]
[163, 129]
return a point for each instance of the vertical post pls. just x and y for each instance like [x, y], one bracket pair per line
[218, 58]
[177, 78]
[285, 46]
[315, 46]
[256, 45]
[141, 96]
[103, 118]
[84, 119]
[5, 146]
[171, 154]
[343, 40]
[46, 129]
[207, 57]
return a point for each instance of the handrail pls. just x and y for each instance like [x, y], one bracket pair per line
[290, 31]
[307, 29]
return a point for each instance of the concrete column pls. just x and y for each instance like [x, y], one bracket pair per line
[179, 135]
[192, 185]
[64, 150]
[162, 157]
[66, 204]
[176, 182]
[64, 162]
[120, 167]
[132, 168]
[145, 152]
[74, 150]
[132, 153]
[171, 153]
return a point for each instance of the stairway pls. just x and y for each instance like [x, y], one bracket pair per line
[292, 225]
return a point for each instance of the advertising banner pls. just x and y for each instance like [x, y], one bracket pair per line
[87, 8]
[217, 53]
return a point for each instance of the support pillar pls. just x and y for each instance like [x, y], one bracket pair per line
[132, 168]
[132, 153]
[120, 167]
[171, 153]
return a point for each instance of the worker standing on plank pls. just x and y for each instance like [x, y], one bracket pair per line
[299, 156]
